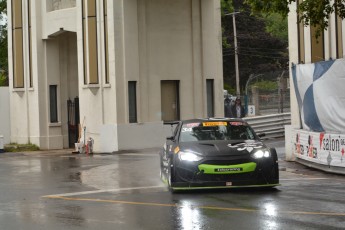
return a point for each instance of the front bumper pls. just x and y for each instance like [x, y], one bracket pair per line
[246, 173]
[183, 186]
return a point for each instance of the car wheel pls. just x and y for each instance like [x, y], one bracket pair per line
[275, 170]
[161, 169]
[170, 177]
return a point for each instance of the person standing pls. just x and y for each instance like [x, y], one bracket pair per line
[238, 109]
[228, 107]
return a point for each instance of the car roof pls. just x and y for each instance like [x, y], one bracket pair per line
[212, 119]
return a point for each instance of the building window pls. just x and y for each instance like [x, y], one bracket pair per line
[53, 103]
[30, 45]
[339, 35]
[84, 40]
[132, 101]
[92, 42]
[89, 14]
[17, 43]
[317, 46]
[301, 47]
[106, 46]
[210, 97]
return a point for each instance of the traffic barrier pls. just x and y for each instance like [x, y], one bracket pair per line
[272, 125]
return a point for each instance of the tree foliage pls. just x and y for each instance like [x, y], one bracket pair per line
[3, 41]
[312, 12]
[262, 45]
[277, 26]
[266, 85]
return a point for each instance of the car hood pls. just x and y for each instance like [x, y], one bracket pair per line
[220, 148]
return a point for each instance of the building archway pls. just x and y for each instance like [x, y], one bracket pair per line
[62, 80]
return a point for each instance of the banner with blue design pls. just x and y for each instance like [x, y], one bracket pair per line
[320, 94]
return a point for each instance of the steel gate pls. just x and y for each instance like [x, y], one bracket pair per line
[73, 121]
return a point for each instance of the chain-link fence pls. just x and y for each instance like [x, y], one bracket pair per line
[269, 101]
[260, 101]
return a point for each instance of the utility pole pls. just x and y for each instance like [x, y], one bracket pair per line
[236, 53]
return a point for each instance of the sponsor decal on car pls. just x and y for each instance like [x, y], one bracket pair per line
[249, 145]
[215, 123]
[228, 169]
[231, 169]
[237, 123]
[191, 125]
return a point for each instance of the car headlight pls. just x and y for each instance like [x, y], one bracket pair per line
[261, 154]
[189, 156]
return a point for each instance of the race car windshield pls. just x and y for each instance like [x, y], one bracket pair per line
[206, 131]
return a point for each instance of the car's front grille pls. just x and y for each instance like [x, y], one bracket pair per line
[227, 160]
[226, 177]
[195, 176]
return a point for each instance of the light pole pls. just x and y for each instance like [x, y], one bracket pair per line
[236, 53]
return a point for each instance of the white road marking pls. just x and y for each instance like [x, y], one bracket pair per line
[104, 190]
[306, 179]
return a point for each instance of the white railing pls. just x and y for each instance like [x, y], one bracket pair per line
[272, 125]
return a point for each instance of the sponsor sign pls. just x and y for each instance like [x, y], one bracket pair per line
[251, 110]
[236, 123]
[321, 148]
[228, 170]
[191, 125]
[215, 123]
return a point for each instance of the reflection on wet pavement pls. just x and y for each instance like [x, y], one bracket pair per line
[124, 191]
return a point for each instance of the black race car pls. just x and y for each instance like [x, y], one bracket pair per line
[217, 153]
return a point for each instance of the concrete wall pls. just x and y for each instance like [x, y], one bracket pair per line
[5, 128]
[133, 136]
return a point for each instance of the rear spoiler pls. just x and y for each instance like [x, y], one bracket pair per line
[171, 122]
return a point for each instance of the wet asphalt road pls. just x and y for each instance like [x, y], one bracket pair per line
[59, 190]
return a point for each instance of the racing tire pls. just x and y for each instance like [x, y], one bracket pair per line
[170, 177]
[275, 170]
[161, 169]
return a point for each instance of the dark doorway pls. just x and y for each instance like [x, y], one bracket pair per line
[73, 121]
[170, 100]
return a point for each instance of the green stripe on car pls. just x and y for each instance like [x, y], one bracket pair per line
[227, 169]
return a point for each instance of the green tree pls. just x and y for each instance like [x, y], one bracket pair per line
[3, 42]
[277, 26]
[266, 85]
[261, 49]
[312, 12]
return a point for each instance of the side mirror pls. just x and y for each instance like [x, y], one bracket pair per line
[261, 135]
[171, 138]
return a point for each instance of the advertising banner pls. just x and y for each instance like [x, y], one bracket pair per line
[322, 148]
[320, 94]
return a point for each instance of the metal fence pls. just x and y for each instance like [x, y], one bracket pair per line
[272, 125]
[270, 102]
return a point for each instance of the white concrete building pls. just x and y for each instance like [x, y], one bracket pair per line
[5, 128]
[305, 49]
[131, 63]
